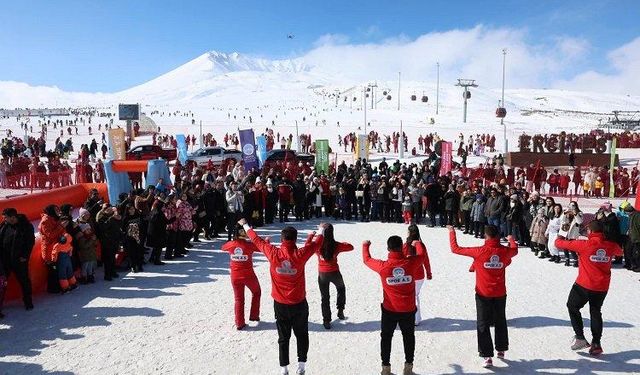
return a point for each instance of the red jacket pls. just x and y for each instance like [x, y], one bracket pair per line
[287, 267]
[426, 265]
[595, 255]
[330, 265]
[489, 263]
[241, 260]
[398, 275]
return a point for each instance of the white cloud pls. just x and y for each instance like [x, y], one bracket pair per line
[471, 53]
[624, 79]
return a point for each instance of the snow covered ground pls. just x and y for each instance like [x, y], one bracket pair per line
[178, 319]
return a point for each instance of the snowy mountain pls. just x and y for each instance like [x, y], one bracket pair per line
[236, 80]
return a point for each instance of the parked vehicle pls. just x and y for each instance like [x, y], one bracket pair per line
[216, 154]
[289, 156]
[151, 152]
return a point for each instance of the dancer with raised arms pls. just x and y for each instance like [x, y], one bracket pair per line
[489, 263]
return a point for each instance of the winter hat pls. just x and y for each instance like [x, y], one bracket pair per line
[514, 197]
[83, 212]
[479, 197]
[626, 206]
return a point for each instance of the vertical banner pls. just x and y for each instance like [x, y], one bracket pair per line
[182, 148]
[362, 149]
[445, 161]
[247, 140]
[322, 156]
[261, 146]
[117, 147]
[612, 164]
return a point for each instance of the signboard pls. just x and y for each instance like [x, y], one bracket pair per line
[362, 147]
[117, 145]
[129, 112]
[247, 143]
[554, 143]
[322, 156]
[445, 162]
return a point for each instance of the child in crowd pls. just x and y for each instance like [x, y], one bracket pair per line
[62, 252]
[538, 232]
[478, 217]
[406, 210]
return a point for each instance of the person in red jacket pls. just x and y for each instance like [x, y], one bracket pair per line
[288, 289]
[329, 273]
[409, 251]
[489, 263]
[592, 284]
[241, 266]
[398, 275]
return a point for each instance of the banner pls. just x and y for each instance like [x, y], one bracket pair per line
[182, 148]
[362, 147]
[612, 186]
[261, 145]
[117, 145]
[322, 156]
[247, 142]
[445, 161]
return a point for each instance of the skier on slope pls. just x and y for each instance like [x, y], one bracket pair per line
[241, 265]
[397, 275]
[594, 275]
[489, 262]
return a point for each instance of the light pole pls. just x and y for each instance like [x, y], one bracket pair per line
[398, 91]
[504, 128]
[465, 84]
[438, 88]
[364, 104]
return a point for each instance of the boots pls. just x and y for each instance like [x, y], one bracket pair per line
[408, 369]
[341, 314]
[386, 370]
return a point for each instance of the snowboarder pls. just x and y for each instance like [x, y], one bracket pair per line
[489, 263]
[397, 275]
[594, 275]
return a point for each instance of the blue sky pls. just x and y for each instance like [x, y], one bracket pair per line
[112, 45]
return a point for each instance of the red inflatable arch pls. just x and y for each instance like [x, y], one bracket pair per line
[31, 205]
[130, 165]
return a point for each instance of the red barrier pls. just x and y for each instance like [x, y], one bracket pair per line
[31, 206]
[129, 165]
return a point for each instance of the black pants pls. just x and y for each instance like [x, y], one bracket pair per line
[491, 310]
[478, 228]
[284, 212]
[578, 297]
[632, 254]
[109, 261]
[172, 238]
[232, 220]
[53, 284]
[468, 224]
[290, 317]
[324, 279]
[21, 270]
[416, 210]
[388, 324]
[432, 216]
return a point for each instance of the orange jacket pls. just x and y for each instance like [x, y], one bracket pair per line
[62, 247]
[50, 232]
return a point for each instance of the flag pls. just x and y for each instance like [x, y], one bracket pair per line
[322, 156]
[247, 142]
[445, 161]
[261, 146]
[117, 146]
[182, 148]
[612, 164]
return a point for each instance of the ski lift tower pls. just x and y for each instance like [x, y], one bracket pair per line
[466, 94]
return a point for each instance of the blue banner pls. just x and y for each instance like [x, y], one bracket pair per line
[261, 143]
[182, 148]
[247, 142]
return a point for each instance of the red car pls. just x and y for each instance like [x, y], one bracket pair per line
[150, 152]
